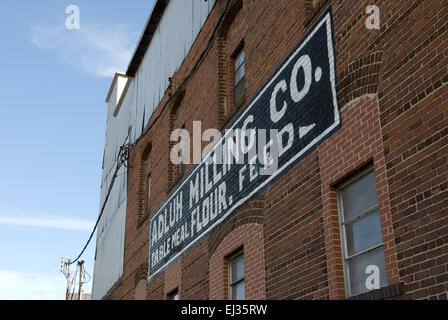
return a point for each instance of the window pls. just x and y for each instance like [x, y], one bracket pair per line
[149, 191]
[236, 277]
[174, 295]
[239, 73]
[361, 233]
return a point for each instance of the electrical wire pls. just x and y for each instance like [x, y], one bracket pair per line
[84, 277]
[118, 167]
[123, 155]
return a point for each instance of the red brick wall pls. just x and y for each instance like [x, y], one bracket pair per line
[294, 235]
[413, 105]
[401, 125]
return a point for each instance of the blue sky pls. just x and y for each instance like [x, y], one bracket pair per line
[52, 125]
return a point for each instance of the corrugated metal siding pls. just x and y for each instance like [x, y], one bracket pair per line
[175, 34]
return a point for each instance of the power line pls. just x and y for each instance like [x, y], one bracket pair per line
[122, 158]
[123, 155]
[84, 277]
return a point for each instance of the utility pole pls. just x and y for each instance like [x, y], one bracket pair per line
[81, 271]
[63, 263]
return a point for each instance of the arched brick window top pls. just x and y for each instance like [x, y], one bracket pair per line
[140, 282]
[177, 113]
[361, 77]
[146, 152]
[249, 240]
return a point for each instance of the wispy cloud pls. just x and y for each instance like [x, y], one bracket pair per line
[16, 285]
[94, 48]
[47, 221]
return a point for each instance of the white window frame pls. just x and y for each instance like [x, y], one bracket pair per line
[342, 225]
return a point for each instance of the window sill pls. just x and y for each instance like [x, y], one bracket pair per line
[390, 291]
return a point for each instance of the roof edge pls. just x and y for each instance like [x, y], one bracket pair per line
[145, 38]
[122, 96]
[112, 85]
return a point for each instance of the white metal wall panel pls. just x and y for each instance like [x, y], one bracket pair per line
[106, 267]
[111, 228]
[174, 36]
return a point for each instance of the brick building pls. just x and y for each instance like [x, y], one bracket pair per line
[368, 198]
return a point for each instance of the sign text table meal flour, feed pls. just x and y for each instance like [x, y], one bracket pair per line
[297, 108]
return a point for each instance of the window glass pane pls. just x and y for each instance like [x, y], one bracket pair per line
[364, 233]
[357, 270]
[237, 268]
[238, 292]
[239, 74]
[239, 91]
[239, 59]
[359, 196]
